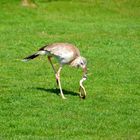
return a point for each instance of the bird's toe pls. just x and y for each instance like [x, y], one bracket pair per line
[64, 98]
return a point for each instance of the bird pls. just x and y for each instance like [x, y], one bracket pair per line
[65, 54]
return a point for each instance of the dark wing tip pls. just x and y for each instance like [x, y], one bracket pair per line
[43, 48]
[83, 97]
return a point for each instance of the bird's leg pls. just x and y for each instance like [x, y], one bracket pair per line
[59, 83]
[49, 58]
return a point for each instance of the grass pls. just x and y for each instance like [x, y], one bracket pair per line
[107, 34]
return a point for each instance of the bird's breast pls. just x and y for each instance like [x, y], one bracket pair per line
[66, 58]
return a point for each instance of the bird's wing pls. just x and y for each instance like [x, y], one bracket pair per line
[63, 51]
[63, 54]
[60, 48]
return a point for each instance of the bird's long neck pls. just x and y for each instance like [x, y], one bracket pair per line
[73, 63]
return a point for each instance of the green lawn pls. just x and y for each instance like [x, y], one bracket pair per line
[107, 34]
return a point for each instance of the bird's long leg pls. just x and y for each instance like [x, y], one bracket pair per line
[59, 83]
[55, 72]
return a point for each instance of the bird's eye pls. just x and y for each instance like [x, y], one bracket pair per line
[82, 63]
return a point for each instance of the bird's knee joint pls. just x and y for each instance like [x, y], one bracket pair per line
[57, 76]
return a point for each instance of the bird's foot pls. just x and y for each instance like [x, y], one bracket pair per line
[63, 97]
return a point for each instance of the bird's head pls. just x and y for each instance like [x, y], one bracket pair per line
[80, 62]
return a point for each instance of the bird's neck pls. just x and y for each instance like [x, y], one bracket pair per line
[73, 63]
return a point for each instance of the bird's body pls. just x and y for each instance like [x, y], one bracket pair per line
[65, 53]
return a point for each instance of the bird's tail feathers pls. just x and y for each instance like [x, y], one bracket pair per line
[30, 57]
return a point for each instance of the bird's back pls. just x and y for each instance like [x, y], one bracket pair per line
[65, 52]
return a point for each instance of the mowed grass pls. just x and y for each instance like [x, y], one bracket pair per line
[107, 34]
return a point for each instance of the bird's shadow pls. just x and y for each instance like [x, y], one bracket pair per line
[57, 91]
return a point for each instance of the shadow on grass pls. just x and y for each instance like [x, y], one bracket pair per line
[57, 91]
